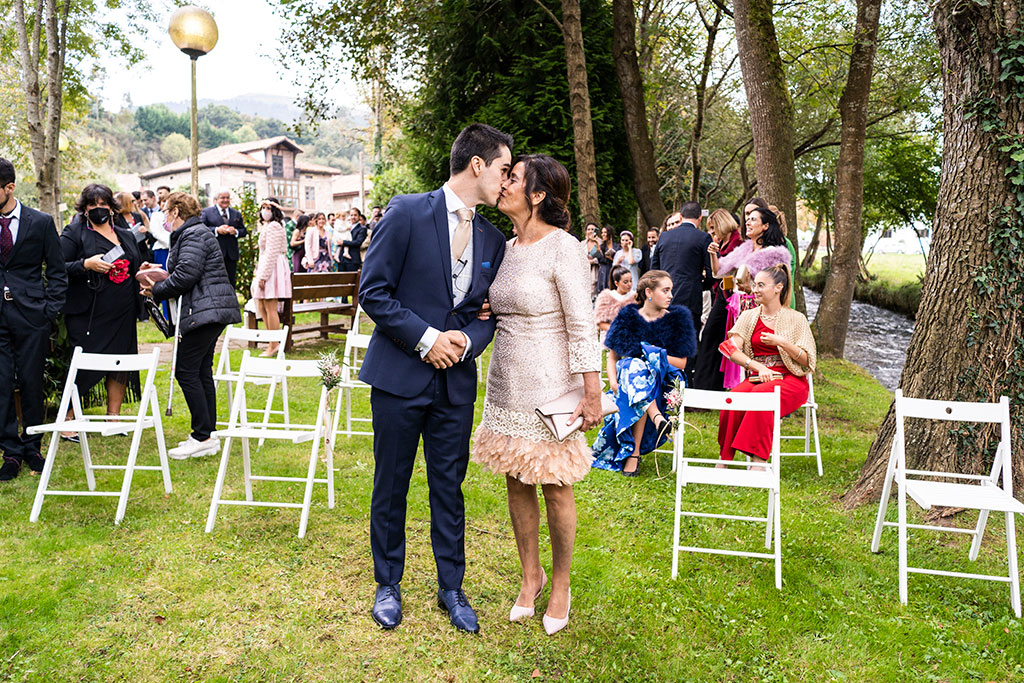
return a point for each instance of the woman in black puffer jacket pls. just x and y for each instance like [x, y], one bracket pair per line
[208, 304]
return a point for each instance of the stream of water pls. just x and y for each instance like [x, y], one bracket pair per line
[877, 339]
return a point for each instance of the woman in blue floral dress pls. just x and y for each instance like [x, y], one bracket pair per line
[649, 344]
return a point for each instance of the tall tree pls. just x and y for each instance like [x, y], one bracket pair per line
[44, 100]
[571, 27]
[771, 113]
[833, 316]
[634, 114]
[969, 340]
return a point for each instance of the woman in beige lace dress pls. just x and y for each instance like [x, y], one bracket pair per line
[544, 347]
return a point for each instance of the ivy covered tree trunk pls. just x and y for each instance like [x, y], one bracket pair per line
[579, 105]
[771, 114]
[833, 318]
[634, 114]
[969, 339]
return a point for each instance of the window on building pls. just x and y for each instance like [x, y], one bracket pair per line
[249, 186]
[277, 165]
[310, 197]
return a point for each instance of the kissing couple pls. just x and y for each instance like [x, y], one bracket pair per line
[431, 266]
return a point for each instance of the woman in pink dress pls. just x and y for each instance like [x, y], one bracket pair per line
[272, 279]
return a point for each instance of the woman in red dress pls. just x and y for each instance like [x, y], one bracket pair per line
[775, 346]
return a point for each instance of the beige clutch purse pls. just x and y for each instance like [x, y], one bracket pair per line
[554, 414]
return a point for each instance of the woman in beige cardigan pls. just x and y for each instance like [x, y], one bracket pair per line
[775, 346]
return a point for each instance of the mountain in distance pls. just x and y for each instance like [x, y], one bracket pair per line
[267, 107]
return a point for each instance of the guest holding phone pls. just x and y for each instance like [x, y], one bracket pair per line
[774, 344]
[103, 300]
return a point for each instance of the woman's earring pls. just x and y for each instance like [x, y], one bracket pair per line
[648, 298]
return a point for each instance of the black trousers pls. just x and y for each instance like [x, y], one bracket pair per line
[194, 372]
[232, 267]
[24, 342]
[398, 424]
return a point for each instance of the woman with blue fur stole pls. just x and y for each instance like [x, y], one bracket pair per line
[649, 344]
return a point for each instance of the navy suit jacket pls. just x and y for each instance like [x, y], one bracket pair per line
[683, 253]
[406, 287]
[39, 296]
[228, 243]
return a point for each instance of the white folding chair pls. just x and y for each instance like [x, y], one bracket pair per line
[985, 496]
[254, 370]
[225, 374]
[737, 473]
[810, 408]
[356, 344]
[148, 416]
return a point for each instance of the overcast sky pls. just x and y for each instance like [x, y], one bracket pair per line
[240, 64]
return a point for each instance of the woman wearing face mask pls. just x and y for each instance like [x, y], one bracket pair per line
[103, 301]
[272, 279]
[208, 303]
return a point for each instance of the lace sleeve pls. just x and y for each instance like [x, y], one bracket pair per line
[572, 281]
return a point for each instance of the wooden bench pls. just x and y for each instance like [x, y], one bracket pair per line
[310, 294]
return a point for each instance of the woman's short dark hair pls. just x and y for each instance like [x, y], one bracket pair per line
[477, 140]
[617, 273]
[317, 216]
[542, 173]
[302, 221]
[759, 202]
[772, 235]
[94, 193]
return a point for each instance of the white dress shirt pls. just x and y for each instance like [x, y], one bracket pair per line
[462, 271]
[157, 230]
[15, 217]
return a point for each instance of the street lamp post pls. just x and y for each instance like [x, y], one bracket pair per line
[194, 32]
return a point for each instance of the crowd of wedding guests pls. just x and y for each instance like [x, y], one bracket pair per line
[663, 311]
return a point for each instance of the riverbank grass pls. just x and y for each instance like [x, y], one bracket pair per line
[157, 599]
[895, 283]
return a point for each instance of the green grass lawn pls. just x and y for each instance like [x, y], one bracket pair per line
[157, 599]
[897, 269]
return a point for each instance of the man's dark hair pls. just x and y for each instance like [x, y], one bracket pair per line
[690, 210]
[477, 140]
[162, 187]
[149, 193]
[6, 172]
[136, 194]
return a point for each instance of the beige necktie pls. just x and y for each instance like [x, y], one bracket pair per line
[461, 237]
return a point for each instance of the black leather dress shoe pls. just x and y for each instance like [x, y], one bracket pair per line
[35, 462]
[456, 604]
[9, 470]
[387, 606]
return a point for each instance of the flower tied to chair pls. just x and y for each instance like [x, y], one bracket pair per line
[119, 271]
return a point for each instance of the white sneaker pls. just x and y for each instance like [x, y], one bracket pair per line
[191, 448]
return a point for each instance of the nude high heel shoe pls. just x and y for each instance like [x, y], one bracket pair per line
[518, 613]
[552, 625]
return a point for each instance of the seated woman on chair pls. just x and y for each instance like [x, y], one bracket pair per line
[773, 343]
[648, 345]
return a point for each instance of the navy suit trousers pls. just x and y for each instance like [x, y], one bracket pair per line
[398, 424]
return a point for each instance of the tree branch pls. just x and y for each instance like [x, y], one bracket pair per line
[550, 14]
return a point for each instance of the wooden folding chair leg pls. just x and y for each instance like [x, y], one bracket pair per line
[129, 472]
[778, 539]
[161, 445]
[979, 533]
[90, 476]
[284, 400]
[246, 468]
[271, 390]
[218, 487]
[883, 504]
[817, 440]
[1011, 551]
[44, 478]
[770, 517]
[901, 496]
[307, 498]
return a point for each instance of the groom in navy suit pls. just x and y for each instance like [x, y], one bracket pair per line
[425, 278]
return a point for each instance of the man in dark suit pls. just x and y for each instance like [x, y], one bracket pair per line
[652, 239]
[28, 307]
[425, 278]
[227, 224]
[683, 253]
